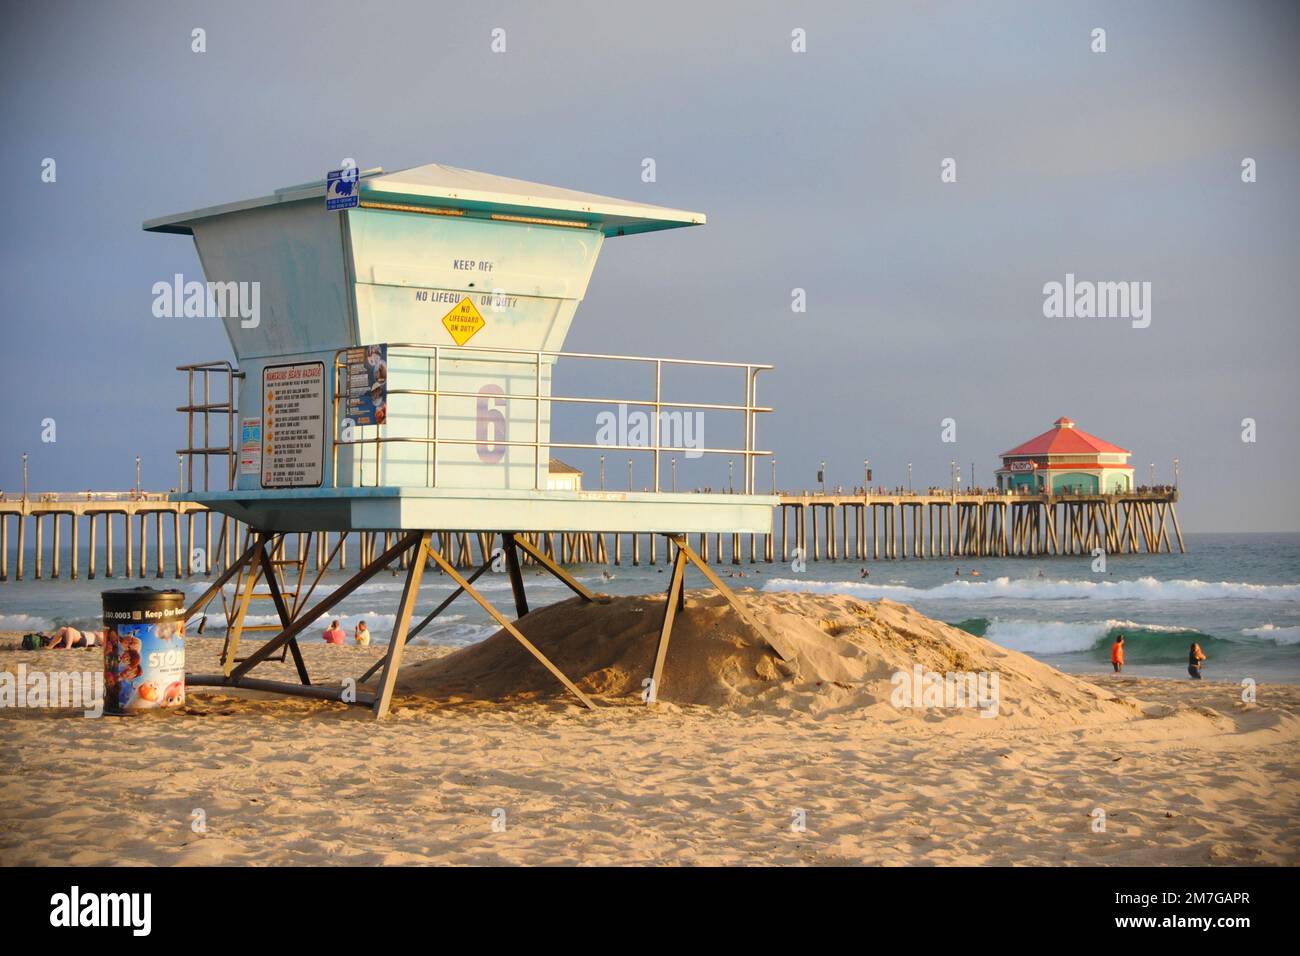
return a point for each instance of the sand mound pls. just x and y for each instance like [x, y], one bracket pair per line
[841, 654]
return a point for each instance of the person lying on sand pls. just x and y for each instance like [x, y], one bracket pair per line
[69, 637]
[1194, 659]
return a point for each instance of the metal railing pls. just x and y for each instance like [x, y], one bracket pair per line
[540, 358]
[200, 405]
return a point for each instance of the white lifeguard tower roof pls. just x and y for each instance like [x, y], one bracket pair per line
[473, 193]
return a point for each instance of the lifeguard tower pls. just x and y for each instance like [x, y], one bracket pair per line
[398, 379]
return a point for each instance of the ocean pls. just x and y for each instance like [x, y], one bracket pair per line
[1237, 595]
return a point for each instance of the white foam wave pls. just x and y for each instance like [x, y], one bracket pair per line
[1276, 634]
[1041, 589]
[1063, 637]
[25, 623]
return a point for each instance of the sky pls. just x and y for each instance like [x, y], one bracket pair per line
[818, 170]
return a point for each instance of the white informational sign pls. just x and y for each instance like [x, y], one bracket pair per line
[293, 425]
[250, 446]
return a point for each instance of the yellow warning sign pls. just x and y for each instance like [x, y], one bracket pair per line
[463, 321]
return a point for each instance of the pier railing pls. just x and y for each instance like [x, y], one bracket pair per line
[808, 527]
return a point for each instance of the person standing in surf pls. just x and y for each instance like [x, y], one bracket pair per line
[1194, 658]
[1117, 653]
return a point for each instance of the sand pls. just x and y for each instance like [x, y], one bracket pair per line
[746, 759]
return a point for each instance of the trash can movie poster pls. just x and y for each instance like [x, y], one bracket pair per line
[144, 650]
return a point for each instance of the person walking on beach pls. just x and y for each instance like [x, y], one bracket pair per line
[1194, 659]
[1117, 653]
[334, 634]
[362, 634]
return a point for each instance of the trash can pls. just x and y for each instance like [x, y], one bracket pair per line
[144, 649]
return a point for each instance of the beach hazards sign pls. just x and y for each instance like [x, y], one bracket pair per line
[293, 425]
[464, 321]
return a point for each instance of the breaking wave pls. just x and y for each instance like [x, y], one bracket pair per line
[1030, 589]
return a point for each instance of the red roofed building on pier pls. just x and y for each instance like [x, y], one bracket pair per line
[1066, 460]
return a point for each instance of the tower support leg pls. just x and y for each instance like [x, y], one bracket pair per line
[676, 595]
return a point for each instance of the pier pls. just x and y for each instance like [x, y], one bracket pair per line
[133, 535]
[876, 526]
